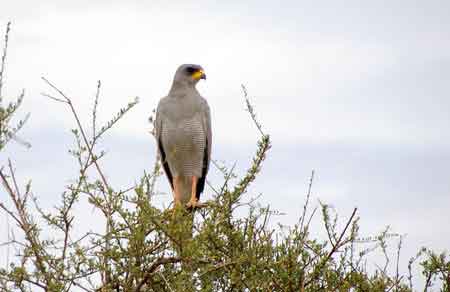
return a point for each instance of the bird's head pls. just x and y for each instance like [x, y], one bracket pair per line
[189, 74]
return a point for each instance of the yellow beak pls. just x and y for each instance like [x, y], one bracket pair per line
[199, 74]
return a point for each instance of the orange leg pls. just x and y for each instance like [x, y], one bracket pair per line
[176, 190]
[193, 201]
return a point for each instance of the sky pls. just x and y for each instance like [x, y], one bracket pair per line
[358, 92]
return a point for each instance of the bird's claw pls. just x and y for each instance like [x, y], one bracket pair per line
[192, 204]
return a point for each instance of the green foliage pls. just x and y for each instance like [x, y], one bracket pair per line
[7, 111]
[145, 248]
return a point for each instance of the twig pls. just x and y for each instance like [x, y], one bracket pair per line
[94, 110]
[227, 179]
[251, 110]
[80, 127]
[9, 240]
[105, 183]
[332, 251]
[52, 97]
[212, 188]
[154, 267]
[23, 220]
[9, 212]
[311, 179]
[399, 247]
[3, 62]
[16, 187]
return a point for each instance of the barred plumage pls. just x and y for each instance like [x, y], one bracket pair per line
[184, 146]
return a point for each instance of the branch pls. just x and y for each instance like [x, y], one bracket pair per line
[80, 127]
[251, 110]
[154, 267]
[308, 195]
[332, 251]
[3, 62]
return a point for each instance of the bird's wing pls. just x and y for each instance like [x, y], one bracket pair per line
[206, 122]
[158, 135]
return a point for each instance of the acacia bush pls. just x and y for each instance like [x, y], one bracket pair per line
[146, 248]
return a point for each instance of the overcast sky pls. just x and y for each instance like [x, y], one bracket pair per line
[359, 92]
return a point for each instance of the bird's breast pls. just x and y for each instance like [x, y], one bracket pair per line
[187, 133]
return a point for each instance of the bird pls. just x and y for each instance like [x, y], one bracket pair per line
[184, 136]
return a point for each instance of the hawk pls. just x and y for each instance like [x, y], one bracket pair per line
[183, 134]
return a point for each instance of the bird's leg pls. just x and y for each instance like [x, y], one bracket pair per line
[193, 201]
[176, 191]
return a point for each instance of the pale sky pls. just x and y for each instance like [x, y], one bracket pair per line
[359, 92]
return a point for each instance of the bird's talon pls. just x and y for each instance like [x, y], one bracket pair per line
[192, 204]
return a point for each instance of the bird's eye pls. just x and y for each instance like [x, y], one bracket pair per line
[191, 70]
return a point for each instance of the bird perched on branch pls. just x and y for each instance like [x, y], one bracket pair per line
[183, 134]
